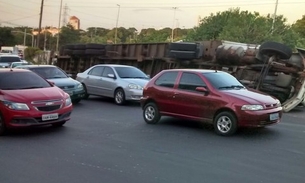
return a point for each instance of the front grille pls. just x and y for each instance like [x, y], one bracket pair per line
[270, 105]
[48, 108]
[66, 87]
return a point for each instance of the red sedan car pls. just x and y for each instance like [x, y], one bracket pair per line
[26, 99]
[209, 96]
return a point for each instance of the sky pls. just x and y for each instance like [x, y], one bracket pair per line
[136, 13]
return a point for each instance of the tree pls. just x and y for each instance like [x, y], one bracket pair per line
[299, 28]
[244, 26]
[69, 35]
[6, 37]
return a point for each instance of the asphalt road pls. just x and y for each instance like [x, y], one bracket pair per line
[105, 143]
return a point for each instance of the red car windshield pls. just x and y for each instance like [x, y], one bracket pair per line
[223, 81]
[21, 80]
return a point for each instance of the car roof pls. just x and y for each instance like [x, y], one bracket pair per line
[114, 65]
[194, 70]
[9, 55]
[35, 66]
[5, 70]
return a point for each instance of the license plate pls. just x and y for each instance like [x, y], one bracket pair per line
[274, 116]
[46, 117]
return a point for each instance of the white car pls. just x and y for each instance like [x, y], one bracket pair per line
[121, 82]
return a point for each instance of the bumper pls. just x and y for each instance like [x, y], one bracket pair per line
[134, 95]
[76, 94]
[259, 118]
[14, 119]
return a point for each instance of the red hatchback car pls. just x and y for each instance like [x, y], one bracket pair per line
[26, 99]
[209, 96]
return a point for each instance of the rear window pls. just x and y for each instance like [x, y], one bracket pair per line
[4, 59]
[167, 79]
[21, 80]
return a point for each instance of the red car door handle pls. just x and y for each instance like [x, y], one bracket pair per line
[175, 94]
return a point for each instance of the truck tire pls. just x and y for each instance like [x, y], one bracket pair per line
[78, 52]
[95, 46]
[182, 55]
[69, 46]
[183, 46]
[95, 52]
[67, 52]
[79, 47]
[271, 48]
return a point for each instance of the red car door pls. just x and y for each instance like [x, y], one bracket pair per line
[187, 100]
[164, 91]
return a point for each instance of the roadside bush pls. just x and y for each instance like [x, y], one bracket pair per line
[31, 52]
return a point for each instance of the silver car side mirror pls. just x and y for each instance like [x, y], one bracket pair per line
[111, 76]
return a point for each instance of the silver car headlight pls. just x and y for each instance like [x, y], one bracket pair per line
[79, 86]
[135, 86]
[252, 107]
[68, 101]
[16, 106]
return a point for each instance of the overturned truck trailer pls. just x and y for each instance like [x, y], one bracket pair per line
[270, 67]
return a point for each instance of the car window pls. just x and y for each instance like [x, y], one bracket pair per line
[130, 72]
[96, 71]
[5, 59]
[190, 81]
[21, 80]
[222, 80]
[107, 71]
[167, 79]
[49, 72]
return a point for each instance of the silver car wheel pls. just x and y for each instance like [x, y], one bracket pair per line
[150, 113]
[119, 97]
[224, 124]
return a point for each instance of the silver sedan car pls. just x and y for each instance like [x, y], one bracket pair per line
[121, 82]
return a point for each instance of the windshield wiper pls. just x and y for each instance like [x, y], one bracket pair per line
[56, 77]
[232, 87]
[32, 87]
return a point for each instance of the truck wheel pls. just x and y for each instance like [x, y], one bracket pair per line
[95, 52]
[151, 113]
[183, 46]
[225, 123]
[95, 46]
[270, 48]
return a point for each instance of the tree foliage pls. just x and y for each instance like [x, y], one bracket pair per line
[244, 26]
[6, 37]
[299, 28]
[231, 25]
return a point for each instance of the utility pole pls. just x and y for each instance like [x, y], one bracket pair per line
[40, 20]
[58, 28]
[116, 26]
[65, 14]
[24, 37]
[274, 16]
[45, 39]
[175, 8]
